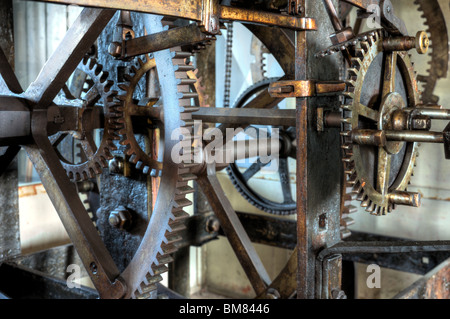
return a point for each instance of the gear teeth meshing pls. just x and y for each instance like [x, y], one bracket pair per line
[366, 36]
[187, 98]
[434, 21]
[92, 165]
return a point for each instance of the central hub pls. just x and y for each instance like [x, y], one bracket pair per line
[391, 103]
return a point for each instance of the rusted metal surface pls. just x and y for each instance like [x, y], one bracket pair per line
[420, 42]
[304, 88]
[201, 11]
[246, 116]
[314, 196]
[234, 230]
[180, 36]
[434, 285]
[66, 57]
[9, 217]
[435, 21]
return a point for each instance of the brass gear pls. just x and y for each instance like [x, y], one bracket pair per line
[439, 48]
[94, 158]
[366, 180]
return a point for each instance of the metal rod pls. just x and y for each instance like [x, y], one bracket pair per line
[164, 40]
[332, 13]
[415, 136]
[433, 113]
[405, 198]
[369, 137]
[243, 116]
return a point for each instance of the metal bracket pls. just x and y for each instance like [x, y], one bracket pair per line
[304, 88]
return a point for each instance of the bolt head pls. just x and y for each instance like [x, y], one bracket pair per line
[116, 166]
[120, 218]
[115, 49]
[422, 42]
[212, 225]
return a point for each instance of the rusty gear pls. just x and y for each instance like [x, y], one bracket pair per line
[158, 243]
[93, 158]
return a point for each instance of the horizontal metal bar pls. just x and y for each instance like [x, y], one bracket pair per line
[189, 9]
[266, 18]
[431, 286]
[194, 9]
[417, 262]
[381, 247]
[415, 136]
[433, 113]
[164, 40]
[244, 116]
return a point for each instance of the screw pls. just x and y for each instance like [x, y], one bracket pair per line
[115, 49]
[58, 119]
[421, 123]
[212, 225]
[120, 218]
[116, 165]
[93, 268]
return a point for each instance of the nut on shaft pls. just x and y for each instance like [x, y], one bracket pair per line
[420, 42]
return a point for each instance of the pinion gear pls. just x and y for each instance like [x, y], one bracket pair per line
[93, 158]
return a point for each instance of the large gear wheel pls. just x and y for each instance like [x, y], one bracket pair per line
[175, 87]
[438, 54]
[376, 173]
[439, 48]
[93, 158]
[241, 180]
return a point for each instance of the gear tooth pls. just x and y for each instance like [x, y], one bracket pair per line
[353, 72]
[365, 202]
[348, 94]
[346, 107]
[359, 53]
[356, 63]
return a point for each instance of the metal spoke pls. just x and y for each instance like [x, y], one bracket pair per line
[390, 68]
[8, 75]
[88, 145]
[235, 232]
[383, 170]
[283, 170]
[253, 169]
[8, 157]
[79, 226]
[77, 41]
[369, 113]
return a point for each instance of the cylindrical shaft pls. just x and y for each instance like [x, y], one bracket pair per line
[433, 113]
[369, 137]
[332, 13]
[415, 136]
[405, 198]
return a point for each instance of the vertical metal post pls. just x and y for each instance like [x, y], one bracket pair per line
[9, 197]
[318, 158]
